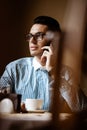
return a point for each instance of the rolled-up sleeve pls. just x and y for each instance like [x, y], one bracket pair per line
[5, 81]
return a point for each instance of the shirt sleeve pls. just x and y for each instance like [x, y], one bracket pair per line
[5, 81]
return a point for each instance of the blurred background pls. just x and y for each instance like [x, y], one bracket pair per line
[15, 21]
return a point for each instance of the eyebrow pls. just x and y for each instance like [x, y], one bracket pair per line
[38, 33]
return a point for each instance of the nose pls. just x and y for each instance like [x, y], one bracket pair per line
[33, 40]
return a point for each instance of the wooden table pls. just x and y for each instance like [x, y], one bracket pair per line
[22, 121]
[34, 121]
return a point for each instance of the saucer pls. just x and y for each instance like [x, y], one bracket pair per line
[36, 111]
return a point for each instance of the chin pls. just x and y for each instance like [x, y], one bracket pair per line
[35, 53]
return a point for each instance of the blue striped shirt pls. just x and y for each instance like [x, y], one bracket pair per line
[24, 78]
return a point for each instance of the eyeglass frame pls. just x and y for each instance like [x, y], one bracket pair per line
[37, 36]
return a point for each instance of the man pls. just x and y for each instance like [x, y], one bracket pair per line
[33, 77]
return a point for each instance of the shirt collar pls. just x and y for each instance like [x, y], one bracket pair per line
[36, 64]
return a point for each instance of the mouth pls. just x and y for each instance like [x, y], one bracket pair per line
[33, 48]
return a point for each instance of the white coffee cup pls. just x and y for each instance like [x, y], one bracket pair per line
[33, 104]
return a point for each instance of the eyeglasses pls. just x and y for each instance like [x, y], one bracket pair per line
[38, 36]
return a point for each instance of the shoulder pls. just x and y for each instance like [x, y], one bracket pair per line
[20, 62]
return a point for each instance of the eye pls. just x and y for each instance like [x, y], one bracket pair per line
[28, 36]
[38, 36]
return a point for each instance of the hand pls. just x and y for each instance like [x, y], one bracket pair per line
[5, 90]
[48, 58]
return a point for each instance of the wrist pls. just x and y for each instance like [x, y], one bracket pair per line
[51, 72]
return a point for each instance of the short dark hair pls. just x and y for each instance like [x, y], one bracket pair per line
[52, 23]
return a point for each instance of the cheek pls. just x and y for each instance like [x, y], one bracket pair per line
[42, 44]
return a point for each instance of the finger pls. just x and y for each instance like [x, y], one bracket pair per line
[48, 48]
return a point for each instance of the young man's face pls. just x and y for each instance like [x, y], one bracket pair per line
[37, 39]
